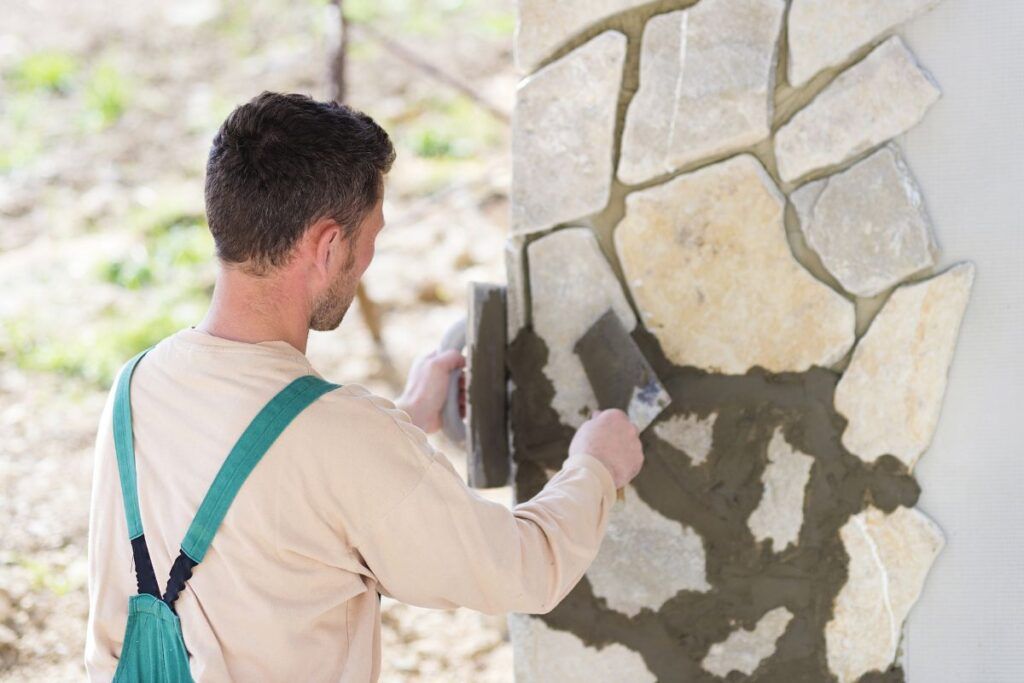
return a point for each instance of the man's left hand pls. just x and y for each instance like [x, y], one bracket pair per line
[427, 388]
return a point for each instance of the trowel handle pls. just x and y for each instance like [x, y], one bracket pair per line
[452, 424]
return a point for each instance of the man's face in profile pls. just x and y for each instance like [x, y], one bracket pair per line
[330, 307]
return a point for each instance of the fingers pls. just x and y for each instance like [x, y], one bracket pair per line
[449, 360]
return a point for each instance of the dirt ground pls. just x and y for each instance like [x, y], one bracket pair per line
[106, 113]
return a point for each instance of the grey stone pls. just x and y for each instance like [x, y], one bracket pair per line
[890, 556]
[744, 650]
[892, 391]
[543, 26]
[562, 145]
[646, 558]
[868, 224]
[780, 513]
[826, 33]
[515, 273]
[541, 654]
[688, 433]
[706, 78]
[571, 286]
[706, 259]
[880, 97]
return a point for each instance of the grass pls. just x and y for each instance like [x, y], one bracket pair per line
[48, 71]
[166, 276]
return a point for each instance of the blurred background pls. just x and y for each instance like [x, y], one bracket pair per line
[107, 110]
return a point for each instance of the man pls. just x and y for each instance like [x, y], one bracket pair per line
[351, 499]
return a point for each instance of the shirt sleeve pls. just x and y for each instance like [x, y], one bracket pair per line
[445, 546]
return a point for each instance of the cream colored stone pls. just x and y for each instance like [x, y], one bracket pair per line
[690, 434]
[890, 556]
[892, 391]
[571, 286]
[706, 258]
[543, 26]
[826, 33]
[706, 76]
[646, 558]
[883, 95]
[516, 304]
[744, 650]
[563, 133]
[780, 513]
[541, 654]
[868, 224]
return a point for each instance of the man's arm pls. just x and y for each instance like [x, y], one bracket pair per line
[445, 546]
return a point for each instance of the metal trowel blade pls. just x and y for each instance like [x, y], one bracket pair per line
[619, 373]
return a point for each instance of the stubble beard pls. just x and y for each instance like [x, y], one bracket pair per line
[329, 310]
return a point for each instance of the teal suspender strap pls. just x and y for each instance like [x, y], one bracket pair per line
[243, 458]
[124, 446]
[247, 452]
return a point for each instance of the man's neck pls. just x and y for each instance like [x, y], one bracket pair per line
[252, 310]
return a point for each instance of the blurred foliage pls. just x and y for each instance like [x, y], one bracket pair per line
[107, 95]
[454, 128]
[170, 267]
[21, 140]
[51, 71]
[430, 18]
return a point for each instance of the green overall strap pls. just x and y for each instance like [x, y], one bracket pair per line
[247, 452]
[124, 447]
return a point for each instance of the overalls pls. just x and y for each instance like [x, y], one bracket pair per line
[154, 650]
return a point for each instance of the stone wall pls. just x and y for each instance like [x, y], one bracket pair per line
[722, 174]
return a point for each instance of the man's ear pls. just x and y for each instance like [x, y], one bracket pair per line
[326, 236]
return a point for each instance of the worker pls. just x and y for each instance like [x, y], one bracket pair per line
[350, 500]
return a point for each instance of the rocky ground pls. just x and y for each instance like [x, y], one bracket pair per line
[106, 112]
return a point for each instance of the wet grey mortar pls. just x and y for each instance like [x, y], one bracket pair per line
[716, 499]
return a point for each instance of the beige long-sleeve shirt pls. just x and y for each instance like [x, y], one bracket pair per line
[351, 499]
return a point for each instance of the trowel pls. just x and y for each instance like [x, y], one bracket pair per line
[616, 368]
[619, 373]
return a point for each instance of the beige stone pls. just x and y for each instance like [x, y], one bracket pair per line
[706, 76]
[890, 556]
[780, 513]
[690, 434]
[571, 286]
[541, 654]
[706, 259]
[868, 224]
[543, 26]
[744, 650]
[880, 97]
[516, 304]
[563, 133]
[826, 33]
[646, 558]
[892, 391]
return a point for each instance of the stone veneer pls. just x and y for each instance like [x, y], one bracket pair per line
[737, 200]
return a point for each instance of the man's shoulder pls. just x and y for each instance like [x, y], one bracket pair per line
[352, 411]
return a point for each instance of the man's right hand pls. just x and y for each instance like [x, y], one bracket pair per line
[610, 437]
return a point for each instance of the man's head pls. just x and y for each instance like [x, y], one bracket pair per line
[294, 188]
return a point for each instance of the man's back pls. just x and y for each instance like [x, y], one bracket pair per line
[351, 499]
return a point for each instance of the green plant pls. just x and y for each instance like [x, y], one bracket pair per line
[50, 71]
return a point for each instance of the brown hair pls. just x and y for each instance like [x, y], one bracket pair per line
[281, 162]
